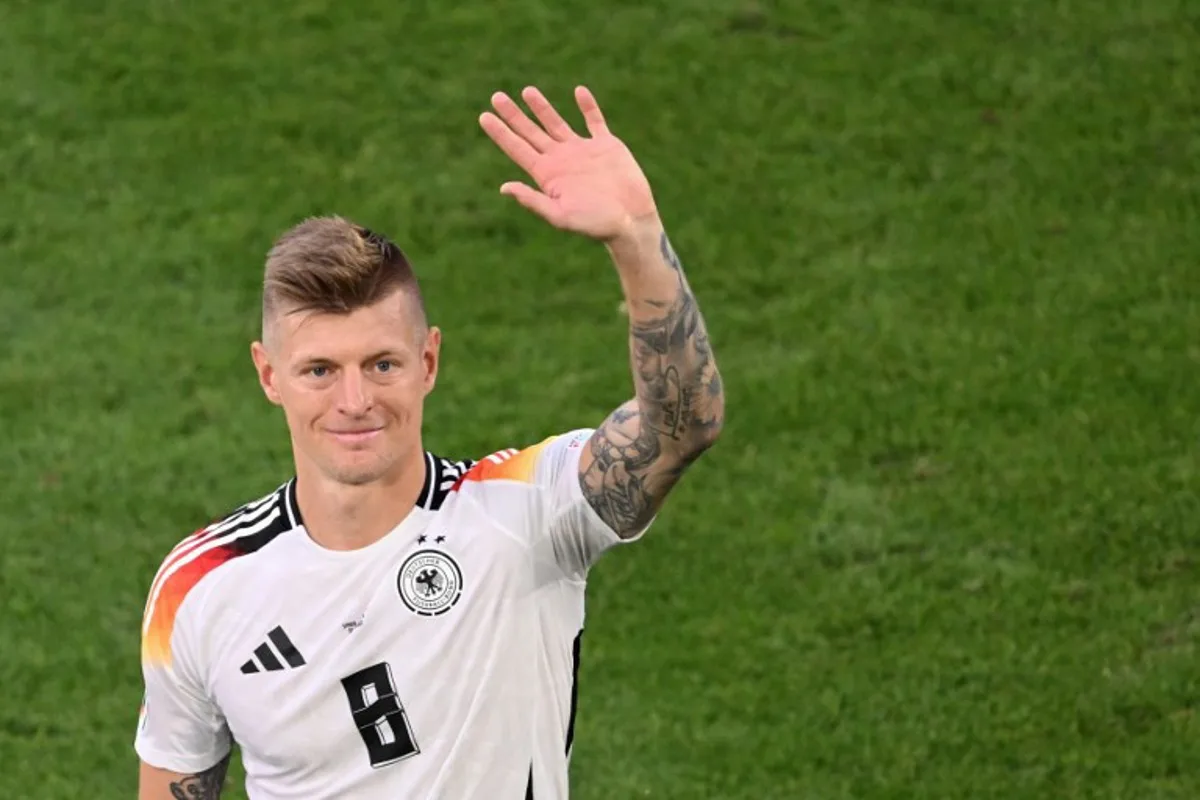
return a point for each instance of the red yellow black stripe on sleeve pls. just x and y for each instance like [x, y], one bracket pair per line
[197, 556]
[508, 465]
[171, 591]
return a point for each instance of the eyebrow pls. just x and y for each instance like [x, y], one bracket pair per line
[326, 360]
[388, 352]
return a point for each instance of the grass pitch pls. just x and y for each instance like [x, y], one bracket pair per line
[948, 257]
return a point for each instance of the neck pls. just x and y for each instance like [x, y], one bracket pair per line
[338, 516]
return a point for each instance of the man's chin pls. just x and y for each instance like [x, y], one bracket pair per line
[358, 466]
[366, 470]
[348, 478]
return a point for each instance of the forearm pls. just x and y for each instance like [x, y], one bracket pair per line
[677, 385]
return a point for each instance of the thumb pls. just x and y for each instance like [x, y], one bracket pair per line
[533, 200]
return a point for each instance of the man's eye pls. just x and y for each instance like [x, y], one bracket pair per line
[384, 366]
[318, 372]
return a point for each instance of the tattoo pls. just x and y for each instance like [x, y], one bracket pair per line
[677, 380]
[668, 253]
[615, 483]
[643, 448]
[205, 785]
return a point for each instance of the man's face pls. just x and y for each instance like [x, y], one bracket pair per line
[352, 386]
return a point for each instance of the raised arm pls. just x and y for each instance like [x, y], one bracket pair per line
[640, 451]
[593, 186]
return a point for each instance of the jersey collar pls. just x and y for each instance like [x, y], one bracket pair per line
[440, 476]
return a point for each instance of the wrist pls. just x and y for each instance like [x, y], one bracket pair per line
[639, 239]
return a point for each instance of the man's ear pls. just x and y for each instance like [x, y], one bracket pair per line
[431, 356]
[266, 372]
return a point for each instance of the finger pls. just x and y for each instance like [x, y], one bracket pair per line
[515, 147]
[533, 200]
[522, 125]
[554, 124]
[592, 115]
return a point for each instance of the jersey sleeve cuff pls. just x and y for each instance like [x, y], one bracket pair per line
[177, 762]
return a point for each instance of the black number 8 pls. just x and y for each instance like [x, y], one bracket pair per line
[379, 715]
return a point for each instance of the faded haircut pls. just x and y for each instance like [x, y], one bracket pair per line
[333, 265]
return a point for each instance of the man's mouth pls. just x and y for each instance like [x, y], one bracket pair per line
[356, 436]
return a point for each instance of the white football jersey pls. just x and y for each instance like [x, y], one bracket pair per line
[439, 662]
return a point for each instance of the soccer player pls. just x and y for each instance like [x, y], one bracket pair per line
[392, 624]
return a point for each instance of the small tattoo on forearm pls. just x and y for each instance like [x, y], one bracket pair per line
[205, 785]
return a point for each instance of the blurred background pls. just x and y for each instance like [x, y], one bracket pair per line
[947, 253]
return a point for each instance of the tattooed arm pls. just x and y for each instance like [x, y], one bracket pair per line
[161, 784]
[593, 186]
[641, 450]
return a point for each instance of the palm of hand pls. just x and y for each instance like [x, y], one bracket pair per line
[591, 185]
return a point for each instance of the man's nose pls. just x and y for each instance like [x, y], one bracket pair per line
[354, 395]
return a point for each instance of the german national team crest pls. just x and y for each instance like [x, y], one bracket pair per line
[430, 583]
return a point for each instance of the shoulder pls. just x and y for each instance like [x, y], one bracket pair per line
[242, 531]
[183, 571]
[532, 465]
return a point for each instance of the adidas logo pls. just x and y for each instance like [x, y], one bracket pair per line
[267, 658]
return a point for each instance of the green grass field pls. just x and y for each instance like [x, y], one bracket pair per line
[948, 257]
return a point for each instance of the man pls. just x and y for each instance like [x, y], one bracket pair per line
[389, 623]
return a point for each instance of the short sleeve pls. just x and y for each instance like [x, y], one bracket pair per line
[179, 727]
[579, 535]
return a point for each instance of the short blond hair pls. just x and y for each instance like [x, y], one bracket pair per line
[333, 265]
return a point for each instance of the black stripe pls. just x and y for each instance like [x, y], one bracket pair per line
[251, 512]
[286, 648]
[268, 659]
[529, 786]
[259, 539]
[446, 473]
[250, 667]
[427, 487]
[575, 651]
[290, 505]
[249, 515]
[282, 500]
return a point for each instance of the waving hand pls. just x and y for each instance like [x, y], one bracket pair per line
[590, 185]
